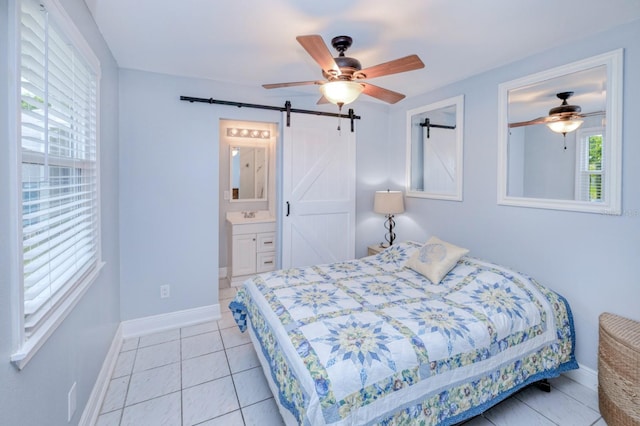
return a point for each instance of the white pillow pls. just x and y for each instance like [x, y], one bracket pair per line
[435, 259]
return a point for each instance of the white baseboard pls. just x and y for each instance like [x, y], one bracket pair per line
[135, 328]
[92, 408]
[585, 376]
[222, 273]
[156, 323]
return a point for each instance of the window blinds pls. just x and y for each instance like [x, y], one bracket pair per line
[590, 173]
[60, 217]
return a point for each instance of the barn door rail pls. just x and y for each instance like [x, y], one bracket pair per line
[287, 107]
[428, 124]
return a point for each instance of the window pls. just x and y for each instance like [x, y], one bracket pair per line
[589, 171]
[60, 220]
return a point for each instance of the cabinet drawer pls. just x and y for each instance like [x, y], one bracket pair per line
[266, 262]
[253, 228]
[266, 242]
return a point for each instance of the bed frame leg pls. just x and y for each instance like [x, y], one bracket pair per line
[544, 385]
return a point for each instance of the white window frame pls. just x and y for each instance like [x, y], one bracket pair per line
[26, 348]
[583, 176]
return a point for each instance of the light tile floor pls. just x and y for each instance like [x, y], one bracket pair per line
[209, 375]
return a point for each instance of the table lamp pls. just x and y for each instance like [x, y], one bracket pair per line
[389, 203]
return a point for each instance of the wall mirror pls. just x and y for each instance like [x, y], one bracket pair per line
[560, 137]
[249, 171]
[434, 150]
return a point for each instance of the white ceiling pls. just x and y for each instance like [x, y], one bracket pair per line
[252, 42]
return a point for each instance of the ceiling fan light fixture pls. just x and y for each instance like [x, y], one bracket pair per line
[341, 92]
[565, 126]
[564, 118]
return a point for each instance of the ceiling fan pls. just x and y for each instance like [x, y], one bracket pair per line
[563, 119]
[345, 76]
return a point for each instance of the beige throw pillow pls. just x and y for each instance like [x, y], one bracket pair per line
[435, 259]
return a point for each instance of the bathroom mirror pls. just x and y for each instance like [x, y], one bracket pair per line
[249, 171]
[559, 143]
[434, 150]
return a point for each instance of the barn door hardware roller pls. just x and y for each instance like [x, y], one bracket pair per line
[428, 124]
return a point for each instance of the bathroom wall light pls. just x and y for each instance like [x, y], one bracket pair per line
[248, 133]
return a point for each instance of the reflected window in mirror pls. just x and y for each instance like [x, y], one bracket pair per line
[434, 150]
[589, 169]
[559, 137]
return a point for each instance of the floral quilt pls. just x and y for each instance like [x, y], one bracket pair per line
[370, 341]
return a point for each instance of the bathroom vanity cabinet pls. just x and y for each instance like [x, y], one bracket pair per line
[251, 246]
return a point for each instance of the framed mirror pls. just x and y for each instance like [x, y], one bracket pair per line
[559, 143]
[434, 150]
[249, 163]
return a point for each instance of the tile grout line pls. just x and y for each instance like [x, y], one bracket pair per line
[130, 375]
[233, 382]
[235, 390]
[487, 419]
[556, 389]
[532, 408]
[574, 398]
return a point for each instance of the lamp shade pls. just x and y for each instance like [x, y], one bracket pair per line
[388, 202]
[565, 126]
[341, 91]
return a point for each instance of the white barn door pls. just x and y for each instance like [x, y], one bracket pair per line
[319, 174]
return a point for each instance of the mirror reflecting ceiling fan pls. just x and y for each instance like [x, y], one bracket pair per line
[344, 76]
[563, 119]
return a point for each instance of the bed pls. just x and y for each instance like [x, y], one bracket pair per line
[372, 341]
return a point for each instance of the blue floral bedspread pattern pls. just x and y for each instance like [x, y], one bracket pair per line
[372, 342]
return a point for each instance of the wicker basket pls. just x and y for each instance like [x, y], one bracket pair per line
[619, 370]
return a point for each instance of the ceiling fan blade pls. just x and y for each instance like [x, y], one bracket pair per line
[294, 83]
[408, 63]
[315, 46]
[539, 120]
[590, 114]
[322, 100]
[385, 95]
[554, 117]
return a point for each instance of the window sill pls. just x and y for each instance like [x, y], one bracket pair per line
[29, 348]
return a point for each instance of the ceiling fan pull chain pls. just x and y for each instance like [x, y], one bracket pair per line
[340, 116]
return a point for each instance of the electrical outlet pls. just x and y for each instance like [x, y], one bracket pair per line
[71, 402]
[164, 291]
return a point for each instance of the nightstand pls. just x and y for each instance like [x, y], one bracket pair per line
[374, 249]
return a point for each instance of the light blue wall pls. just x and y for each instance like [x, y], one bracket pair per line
[168, 196]
[169, 183]
[373, 148]
[549, 168]
[37, 395]
[591, 259]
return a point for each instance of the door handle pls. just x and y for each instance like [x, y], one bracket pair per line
[288, 208]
